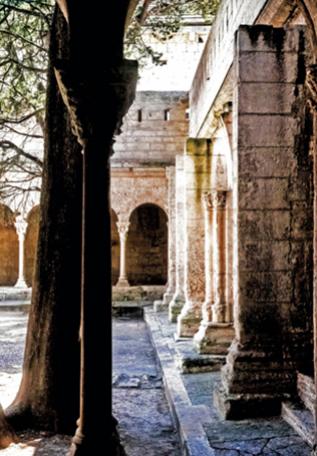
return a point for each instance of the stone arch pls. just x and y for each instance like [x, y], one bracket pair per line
[30, 244]
[115, 248]
[145, 200]
[147, 246]
[9, 247]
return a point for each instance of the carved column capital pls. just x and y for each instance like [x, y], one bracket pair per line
[215, 199]
[89, 94]
[20, 225]
[123, 228]
[311, 83]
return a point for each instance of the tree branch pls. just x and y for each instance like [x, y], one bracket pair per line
[6, 145]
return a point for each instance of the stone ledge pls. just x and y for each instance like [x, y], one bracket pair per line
[15, 294]
[300, 419]
[189, 419]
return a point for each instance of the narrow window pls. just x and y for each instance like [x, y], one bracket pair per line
[167, 114]
[139, 115]
[187, 114]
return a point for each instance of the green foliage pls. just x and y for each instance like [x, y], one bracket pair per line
[161, 19]
[24, 29]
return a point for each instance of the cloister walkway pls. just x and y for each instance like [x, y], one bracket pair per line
[149, 367]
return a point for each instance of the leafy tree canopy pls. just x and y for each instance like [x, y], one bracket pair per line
[24, 36]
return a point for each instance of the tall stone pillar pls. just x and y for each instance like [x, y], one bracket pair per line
[21, 226]
[86, 95]
[311, 82]
[178, 300]
[168, 295]
[272, 212]
[215, 332]
[197, 170]
[123, 228]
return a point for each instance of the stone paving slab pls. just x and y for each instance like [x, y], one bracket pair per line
[139, 403]
[203, 431]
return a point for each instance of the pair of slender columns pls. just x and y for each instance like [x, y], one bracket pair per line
[123, 229]
[215, 332]
[21, 227]
[206, 314]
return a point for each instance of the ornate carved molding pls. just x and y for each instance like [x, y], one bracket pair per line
[215, 199]
[311, 83]
[96, 100]
[123, 228]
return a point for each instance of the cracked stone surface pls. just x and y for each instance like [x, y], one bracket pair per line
[139, 402]
[256, 437]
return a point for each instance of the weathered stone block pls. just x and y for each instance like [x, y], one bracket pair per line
[265, 256]
[266, 98]
[260, 287]
[265, 38]
[264, 224]
[197, 146]
[214, 338]
[265, 161]
[263, 194]
[259, 130]
[268, 67]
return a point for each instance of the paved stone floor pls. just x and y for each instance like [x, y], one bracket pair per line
[139, 402]
[261, 437]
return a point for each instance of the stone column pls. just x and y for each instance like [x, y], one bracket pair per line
[21, 226]
[216, 332]
[168, 295]
[123, 228]
[178, 300]
[272, 210]
[87, 95]
[197, 169]
[311, 83]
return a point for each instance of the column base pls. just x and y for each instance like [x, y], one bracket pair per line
[244, 406]
[214, 338]
[188, 322]
[254, 382]
[161, 305]
[20, 284]
[122, 283]
[175, 308]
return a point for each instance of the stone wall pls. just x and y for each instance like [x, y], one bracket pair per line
[147, 246]
[154, 130]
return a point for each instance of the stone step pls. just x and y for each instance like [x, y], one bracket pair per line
[188, 361]
[14, 306]
[306, 391]
[300, 419]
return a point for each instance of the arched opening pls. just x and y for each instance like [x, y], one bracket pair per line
[9, 248]
[147, 246]
[30, 244]
[115, 248]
